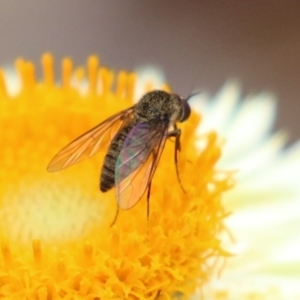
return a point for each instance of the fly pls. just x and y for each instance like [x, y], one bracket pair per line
[135, 138]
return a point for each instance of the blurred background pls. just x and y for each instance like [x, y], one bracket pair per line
[199, 44]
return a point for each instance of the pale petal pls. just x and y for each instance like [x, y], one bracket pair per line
[242, 123]
[148, 76]
[250, 124]
[12, 80]
[217, 112]
[262, 155]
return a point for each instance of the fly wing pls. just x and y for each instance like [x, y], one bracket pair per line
[137, 162]
[90, 142]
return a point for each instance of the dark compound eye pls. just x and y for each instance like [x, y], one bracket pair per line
[186, 110]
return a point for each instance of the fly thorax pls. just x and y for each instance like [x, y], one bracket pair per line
[160, 106]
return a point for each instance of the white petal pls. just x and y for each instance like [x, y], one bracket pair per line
[217, 112]
[148, 75]
[282, 172]
[261, 156]
[250, 124]
[12, 80]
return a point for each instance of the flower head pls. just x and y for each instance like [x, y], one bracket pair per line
[56, 238]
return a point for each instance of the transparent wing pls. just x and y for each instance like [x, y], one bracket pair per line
[137, 162]
[90, 142]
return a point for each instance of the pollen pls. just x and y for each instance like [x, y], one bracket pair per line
[56, 237]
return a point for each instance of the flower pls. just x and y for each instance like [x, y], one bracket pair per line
[56, 238]
[265, 201]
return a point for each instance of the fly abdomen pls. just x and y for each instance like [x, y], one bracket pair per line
[107, 178]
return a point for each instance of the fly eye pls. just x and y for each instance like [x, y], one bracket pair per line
[186, 111]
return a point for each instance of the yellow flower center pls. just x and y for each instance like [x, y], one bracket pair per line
[57, 242]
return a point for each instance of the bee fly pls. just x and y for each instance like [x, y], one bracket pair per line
[135, 138]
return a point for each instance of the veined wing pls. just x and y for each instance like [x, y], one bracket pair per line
[137, 162]
[90, 142]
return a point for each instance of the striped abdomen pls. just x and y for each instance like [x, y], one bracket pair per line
[107, 178]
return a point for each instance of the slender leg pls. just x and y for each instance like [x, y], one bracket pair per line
[177, 133]
[116, 217]
[148, 207]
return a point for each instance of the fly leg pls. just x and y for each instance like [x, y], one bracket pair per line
[116, 216]
[148, 207]
[176, 132]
